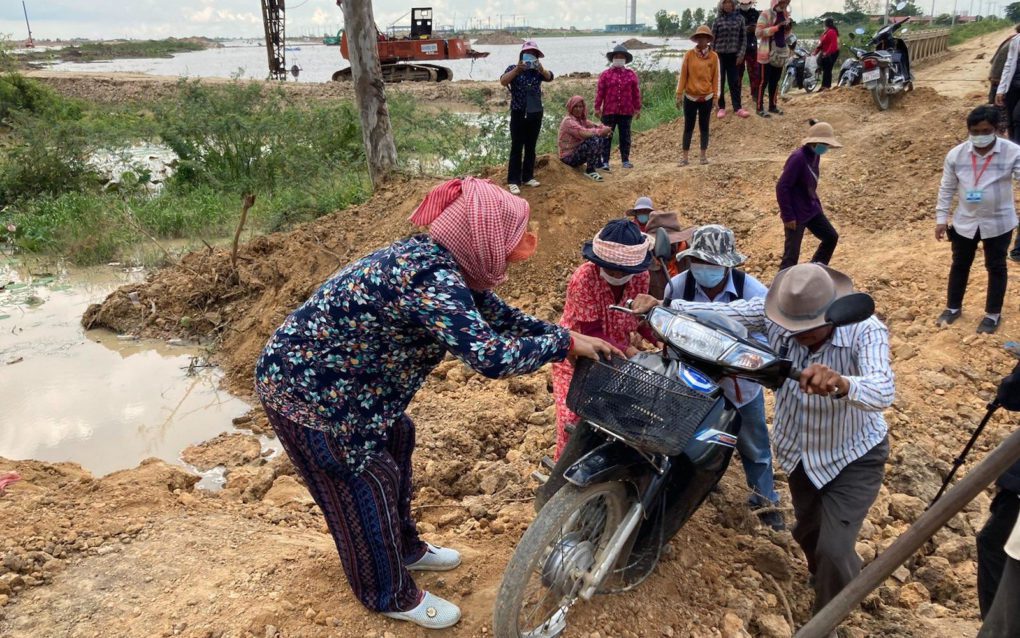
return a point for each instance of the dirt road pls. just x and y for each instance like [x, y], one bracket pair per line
[141, 553]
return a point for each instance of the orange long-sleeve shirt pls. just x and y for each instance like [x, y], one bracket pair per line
[699, 76]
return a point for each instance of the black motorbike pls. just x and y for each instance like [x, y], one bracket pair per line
[887, 68]
[852, 69]
[656, 435]
[802, 72]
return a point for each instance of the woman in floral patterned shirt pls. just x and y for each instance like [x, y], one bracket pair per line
[616, 270]
[336, 377]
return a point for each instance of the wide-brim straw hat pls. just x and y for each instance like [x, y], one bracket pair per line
[801, 294]
[619, 246]
[669, 222]
[619, 48]
[822, 133]
[703, 30]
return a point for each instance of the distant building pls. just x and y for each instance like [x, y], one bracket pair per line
[625, 28]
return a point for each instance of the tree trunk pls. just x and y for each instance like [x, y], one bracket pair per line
[380, 150]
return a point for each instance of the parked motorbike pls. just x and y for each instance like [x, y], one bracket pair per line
[852, 69]
[802, 72]
[887, 68]
[656, 435]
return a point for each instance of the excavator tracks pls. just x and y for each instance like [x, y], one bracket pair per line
[396, 73]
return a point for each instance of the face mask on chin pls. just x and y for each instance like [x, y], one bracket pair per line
[981, 141]
[708, 275]
[614, 281]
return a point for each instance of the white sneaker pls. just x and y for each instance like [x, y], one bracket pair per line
[534, 183]
[436, 559]
[431, 613]
[514, 189]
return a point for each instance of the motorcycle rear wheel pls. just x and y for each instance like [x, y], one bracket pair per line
[561, 544]
[879, 93]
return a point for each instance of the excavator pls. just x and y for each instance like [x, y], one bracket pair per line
[404, 58]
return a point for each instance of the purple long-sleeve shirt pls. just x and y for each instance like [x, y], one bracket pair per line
[797, 186]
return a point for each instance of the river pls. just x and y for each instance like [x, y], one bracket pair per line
[244, 59]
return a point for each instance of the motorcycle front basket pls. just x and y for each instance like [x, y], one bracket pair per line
[649, 411]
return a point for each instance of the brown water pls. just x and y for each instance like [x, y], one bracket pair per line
[103, 400]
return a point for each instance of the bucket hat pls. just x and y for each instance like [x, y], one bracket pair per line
[619, 48]
[642, 204]
[531, 45]
[619, 246]
[669, 222]
[821, 133]
[716, 245]
[801, 294]
[703, 30]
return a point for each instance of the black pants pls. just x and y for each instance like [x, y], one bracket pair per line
[1015, 253]
[524, 130]
[1003, 620]
[991, 558]
[829, 519]
[964, 250]
[822, 229]
[621, 122]
[770, 83]
[1013, 113]
[703, 112]
[827, 62]
[731, 74]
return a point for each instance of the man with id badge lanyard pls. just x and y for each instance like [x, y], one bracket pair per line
[980, 173]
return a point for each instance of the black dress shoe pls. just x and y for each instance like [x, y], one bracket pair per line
[987, 326]
[947, 318]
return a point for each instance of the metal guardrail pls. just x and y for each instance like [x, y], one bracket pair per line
[927, 44]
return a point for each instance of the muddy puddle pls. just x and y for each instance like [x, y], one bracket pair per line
[102, 400]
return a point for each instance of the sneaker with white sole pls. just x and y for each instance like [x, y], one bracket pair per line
[432, 612]
[534, 183]
[436, 559]
[514, 189]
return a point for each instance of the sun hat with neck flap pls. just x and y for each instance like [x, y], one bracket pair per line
[801, 294]
[482, 225]
[620, 245]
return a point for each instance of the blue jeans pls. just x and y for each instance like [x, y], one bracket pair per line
[756, 453]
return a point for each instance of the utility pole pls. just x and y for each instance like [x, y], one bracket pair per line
[30, 43]
[366, 71]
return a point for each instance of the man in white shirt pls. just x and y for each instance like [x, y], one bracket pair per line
[713, 276]
[980, 174]
[829, 433]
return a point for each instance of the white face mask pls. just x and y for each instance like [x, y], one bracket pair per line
[981, 141]
[619, 62]
[615, 281]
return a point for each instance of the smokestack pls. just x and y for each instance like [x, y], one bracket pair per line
[633, 11]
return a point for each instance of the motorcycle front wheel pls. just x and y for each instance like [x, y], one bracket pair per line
[563, 544]
[810, 83]
[784, 88]
[844, 79]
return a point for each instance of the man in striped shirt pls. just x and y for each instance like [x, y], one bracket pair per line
[829, 434]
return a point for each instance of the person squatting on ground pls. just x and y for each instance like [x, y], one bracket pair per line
[980, 174]
[581, 141]
[773, 52]
[797, 195]
[750, 14]
[829, 434]
[729, 41]
[336, 377]
[618, 102]
[679, 239]
[714, 277]
[697, 85]
[641, 213]
[827, 52]
[524, 81]
[616, 269]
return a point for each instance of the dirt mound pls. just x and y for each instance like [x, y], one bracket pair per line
[637, 45]
[479, 440]
[499, 37]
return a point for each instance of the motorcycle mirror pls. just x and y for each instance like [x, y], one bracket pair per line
[900, 6]
[853, 308]
[859, 30]
[1009, 391]
[663, 248]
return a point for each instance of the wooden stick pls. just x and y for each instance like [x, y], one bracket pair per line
[247, 201]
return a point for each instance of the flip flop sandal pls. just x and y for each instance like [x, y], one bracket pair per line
[593, 176]
[704, 161]
[683, 162]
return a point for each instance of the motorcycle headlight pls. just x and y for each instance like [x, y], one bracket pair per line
[707, 343]
[747, 358]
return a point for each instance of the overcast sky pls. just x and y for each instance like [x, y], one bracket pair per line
[152, 19]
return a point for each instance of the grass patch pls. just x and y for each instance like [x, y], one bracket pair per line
[964, 32]
[96, 51]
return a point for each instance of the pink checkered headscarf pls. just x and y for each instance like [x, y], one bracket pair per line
[477, 221]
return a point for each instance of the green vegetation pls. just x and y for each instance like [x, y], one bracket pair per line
[95, 51]
[962, 32]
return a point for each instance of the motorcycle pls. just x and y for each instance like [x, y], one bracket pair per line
[887, 68]
[801, 72]
[656, 435]
[852, 69]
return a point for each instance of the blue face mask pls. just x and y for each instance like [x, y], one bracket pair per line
[642, 218]
[529, 58]
[708, 275]
[821, 149]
